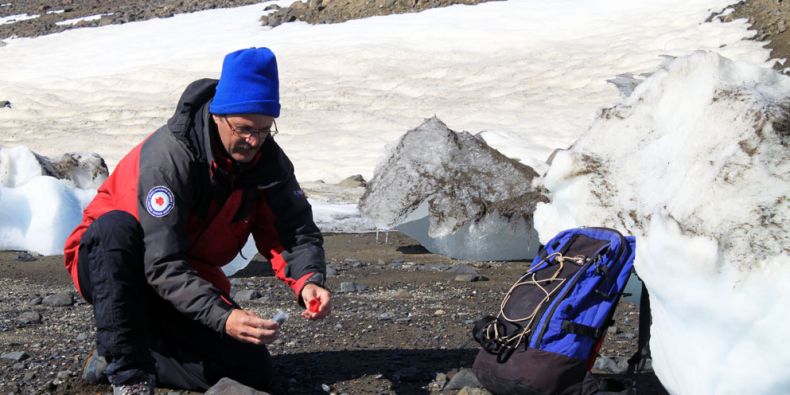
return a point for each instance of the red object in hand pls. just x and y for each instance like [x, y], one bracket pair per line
[313, 306]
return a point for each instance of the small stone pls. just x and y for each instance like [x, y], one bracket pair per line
[59, 300]
[18, 366]
[385, 316]
[401, 294]
[4, 103]
[326, 388]
[29, 376]
[627, 335]
[352, 287]
[612, 330]
[331, 271]
[30, 317]
[82, 337]
[355, 181]
[469, 278]
[63, 375]
[439, 312]
[434, 267]
[228, 386]
[616, 365]
[464, 378]
[462, 269]
[247, 295]
[15, 356]
[22, 256]
[34, 302]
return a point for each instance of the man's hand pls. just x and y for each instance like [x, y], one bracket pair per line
[317, 295]
[247, 327]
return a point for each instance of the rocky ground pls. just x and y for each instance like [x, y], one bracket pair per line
[336, 11]
[770, 19]
[401, 322]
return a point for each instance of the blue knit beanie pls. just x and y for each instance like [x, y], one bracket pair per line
[248, 84]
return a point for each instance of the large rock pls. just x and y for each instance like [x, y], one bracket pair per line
[456, 195]
[696, 163]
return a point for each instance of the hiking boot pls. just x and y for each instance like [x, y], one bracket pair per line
[93, 370]
[145, 387]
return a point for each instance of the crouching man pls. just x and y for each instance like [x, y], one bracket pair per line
[149, 251]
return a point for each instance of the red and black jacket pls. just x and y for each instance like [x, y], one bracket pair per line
[197, 208]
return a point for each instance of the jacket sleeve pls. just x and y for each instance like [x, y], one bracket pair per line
[289, 238]
[165, 200]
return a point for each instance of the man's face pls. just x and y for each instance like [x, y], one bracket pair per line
[243, 134]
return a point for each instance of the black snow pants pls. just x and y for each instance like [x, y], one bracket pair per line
[139, 333]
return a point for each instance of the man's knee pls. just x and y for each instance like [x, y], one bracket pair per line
[112, 247]
[115, 229]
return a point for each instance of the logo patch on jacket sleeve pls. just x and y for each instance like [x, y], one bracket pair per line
[160, 201]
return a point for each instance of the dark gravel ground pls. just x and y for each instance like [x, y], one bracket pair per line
[405, 329]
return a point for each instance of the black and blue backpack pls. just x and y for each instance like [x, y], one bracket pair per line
[553, 319]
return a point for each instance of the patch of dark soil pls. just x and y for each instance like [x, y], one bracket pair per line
[771, 19]
[336, 11]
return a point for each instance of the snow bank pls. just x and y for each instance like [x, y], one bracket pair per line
[695, 162]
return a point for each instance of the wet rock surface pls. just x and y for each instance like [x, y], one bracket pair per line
[405, 328]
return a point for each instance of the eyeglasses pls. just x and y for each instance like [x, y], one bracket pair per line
[247, 132]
